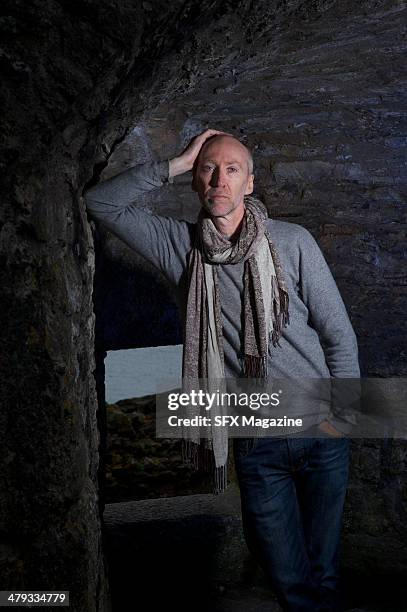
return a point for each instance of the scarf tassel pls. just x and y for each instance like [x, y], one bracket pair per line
[202, 459]
[255, 367]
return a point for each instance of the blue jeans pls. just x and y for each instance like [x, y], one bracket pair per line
[292, 494]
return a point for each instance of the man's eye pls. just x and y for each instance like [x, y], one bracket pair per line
[234, 169]
[207, 167]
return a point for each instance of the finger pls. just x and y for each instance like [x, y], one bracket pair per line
[203, 137]
[212, 132]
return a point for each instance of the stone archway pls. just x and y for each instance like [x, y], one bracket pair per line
[313, 88]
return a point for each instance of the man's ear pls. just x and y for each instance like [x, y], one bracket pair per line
[249, 188]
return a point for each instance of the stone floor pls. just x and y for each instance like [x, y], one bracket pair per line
[246, 599]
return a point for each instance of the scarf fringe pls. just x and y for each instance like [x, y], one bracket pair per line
[202, 459]
[255, 367]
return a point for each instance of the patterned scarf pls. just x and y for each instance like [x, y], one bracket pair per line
[265, 314]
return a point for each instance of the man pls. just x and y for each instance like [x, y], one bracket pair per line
[256, 299]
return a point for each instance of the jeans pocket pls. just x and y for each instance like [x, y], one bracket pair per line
[324, 434]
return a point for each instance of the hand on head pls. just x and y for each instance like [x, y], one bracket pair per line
[185, 161]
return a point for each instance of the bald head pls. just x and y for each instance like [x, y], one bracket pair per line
[234, 145]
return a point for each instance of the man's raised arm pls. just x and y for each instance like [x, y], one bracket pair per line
[114, 203]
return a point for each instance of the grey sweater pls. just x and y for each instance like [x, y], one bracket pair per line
[319, 341]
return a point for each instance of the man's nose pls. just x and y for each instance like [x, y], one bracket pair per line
[218, 177]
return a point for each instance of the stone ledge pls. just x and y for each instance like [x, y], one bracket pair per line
[177, 550]
[173, 508]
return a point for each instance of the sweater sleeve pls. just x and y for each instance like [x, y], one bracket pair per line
[328, 316]
[161, 240]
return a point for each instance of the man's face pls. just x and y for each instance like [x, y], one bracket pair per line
[222, 176]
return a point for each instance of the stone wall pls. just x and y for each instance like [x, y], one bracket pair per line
[315, 88]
